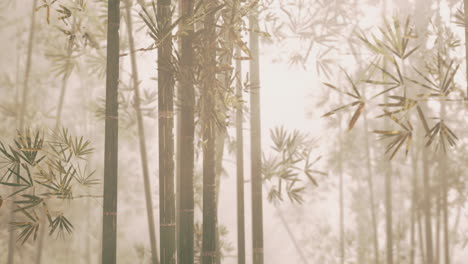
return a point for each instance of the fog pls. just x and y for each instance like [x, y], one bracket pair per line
[233, 131]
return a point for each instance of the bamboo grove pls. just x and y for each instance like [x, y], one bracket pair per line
[168, 131]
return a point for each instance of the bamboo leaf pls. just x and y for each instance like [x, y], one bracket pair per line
[356, 115]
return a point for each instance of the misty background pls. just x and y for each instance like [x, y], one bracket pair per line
[401, 64]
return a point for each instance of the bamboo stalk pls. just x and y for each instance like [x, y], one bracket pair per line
[414, 206]
[341, 190]
[27, 71]
[141, 136]
[370, 183]
[186, 144]
[240, 164]
[65, 77]
[255, 141]
[443, 175]
[166, 137]
[109, 235]
[427, 208]
[466, 43]
[209, 131]
[24, 102]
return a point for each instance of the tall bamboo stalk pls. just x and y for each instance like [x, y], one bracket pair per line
[178, 138]
[388, 210]
[437, 227]
[65, 77]
[424, 216]
[256, 141]
[141, 136]
[443, 175]
[341, 190]
[414, 206]
[240, 163]
[370, 180]
[109, 234]
[187, 133]
[166, 136]
[466, 42]
[24, 102]
[231, 21]
[209, 131]
[370, 183]
[427, 209]
[388, 200]
[388, 195]
[421, 237]
[445, 188]
[444, 194]
[219, 146]
[221, 134]
[388, 187]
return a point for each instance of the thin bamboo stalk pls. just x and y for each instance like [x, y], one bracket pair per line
[141, 136]
[240, 164]
[466, 43]
[255, 141]
[22, 114]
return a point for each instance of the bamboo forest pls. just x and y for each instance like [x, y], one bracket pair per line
[233, 131]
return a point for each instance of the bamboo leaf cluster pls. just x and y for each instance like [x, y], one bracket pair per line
[40, 172]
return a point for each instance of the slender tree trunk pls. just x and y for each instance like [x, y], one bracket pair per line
[466, 43]
[341, 192]
[370, 180]
[187, 135]
[370, 183]
[388, 202]
[456, 224]
[437, 227]
[388, 190]
[220, 143]
[178, 139]
[89, 131]
[22, 114]
[413, 229]
[89, 227]
[427, 209]
[445, 210]
[230, 21]
[442, 157]
[388, 215]
[109, 235]
[141, 136]
[208, 104]
[219, 150]
[240, 163]
[255, 141]
[362, 228]
[40, 245]
[24, 101]
[421, 238]
[340, 169]
[65, 77]
[414, 205]
[166, 136]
